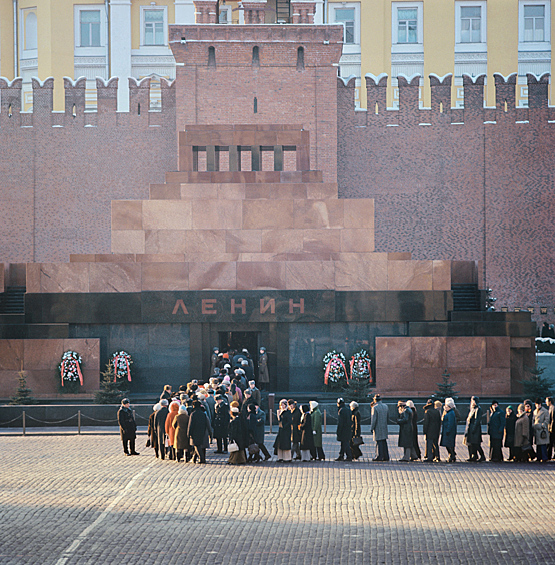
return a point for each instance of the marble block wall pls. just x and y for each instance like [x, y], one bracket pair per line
[414, 365]
[369, 272]
[40, 358]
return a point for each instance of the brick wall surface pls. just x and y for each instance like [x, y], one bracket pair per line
[285, 94]
[59, 173]
[472, 184]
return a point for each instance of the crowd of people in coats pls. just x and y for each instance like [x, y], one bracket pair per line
[528, 433]
[184, 424]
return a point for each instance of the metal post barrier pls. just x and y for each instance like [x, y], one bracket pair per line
[271, 403]
[325, 421]
[133, 414]
[23, 418]
[79, 422]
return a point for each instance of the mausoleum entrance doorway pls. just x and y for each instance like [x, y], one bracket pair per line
[239, 341]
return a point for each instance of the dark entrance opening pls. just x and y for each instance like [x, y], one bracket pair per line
[239, 341]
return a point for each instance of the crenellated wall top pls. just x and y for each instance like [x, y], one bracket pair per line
[474, 109]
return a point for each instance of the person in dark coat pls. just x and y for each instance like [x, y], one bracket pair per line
[295, 430]
[260, 427]
[404, 419]
[221, 423]
[308, 451]
[415, 453]
[343, 433]
[529, 409]
[251, 421]
[181, 440]
[237, 434]
[248, 400]
[282, 444]
[255, 393]
[449, 429]
[152, 440]
[199, 431]
[522, 435]
[496, 428]
[431, 428]
[316, 422]
[509, 439]
[214, 361]
[263, 373]
[160, 425]
[473, 431]
[551, 427]
[127, 428]
[356, 430]
[166, 393]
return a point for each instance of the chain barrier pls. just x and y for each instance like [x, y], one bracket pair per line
[10, 421]
[51, 421]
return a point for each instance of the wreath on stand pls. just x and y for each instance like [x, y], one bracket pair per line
[335, 371]
[70, 373]
[361, 366]
[121, 361]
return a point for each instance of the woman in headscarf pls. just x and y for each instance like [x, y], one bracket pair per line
[449, 429]
[510, 423]
[180, 438]
[415, 453]
[522, 435]
[356, 430]
[282, 445]
[170, 431]
[308, 451]
[316, 417]
[237, 435]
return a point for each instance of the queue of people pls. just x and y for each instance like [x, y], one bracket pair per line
[183, 425]
[528, 434]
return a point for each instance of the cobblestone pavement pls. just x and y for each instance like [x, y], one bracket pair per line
[69, 499]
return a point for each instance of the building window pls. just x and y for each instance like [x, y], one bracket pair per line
[407, 25]
[30, 37]
[224, 15]
[346, 16]
[89, 28]
[471, 24]
[154, 32]
[534, 23]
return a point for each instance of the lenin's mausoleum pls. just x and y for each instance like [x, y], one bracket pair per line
[259, 207]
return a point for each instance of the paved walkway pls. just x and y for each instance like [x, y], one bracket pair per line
[68, 500]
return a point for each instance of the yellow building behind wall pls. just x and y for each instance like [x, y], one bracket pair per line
[104, 38]
[447, 36]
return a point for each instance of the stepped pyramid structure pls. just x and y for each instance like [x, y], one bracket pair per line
[247, 244]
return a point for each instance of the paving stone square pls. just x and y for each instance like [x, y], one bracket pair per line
[76, 499]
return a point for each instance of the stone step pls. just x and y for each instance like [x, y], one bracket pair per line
[244, 176]
[284, 214]
[352, 275]
[242, 191]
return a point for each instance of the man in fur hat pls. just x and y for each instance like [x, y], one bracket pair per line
[127, 427]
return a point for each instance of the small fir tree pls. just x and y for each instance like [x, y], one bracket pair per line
[537, 386]
[446, 388]
[109, 392]
[23, 394]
